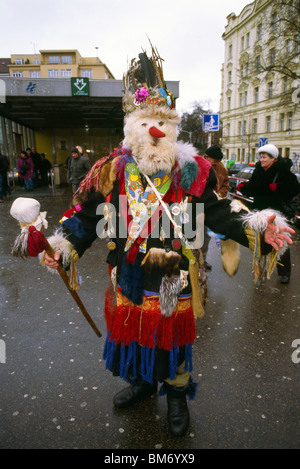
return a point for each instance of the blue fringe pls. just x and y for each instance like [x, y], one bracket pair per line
[74, 225]
[147, 356]
[131, 281]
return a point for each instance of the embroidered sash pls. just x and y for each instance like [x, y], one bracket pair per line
[142, 203]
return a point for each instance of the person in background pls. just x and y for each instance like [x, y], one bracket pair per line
[4, 166]
[45, 167]
[272, 185]
[78, 168]
[25, 168]
[214, 155]
[82, 152]
[36, 158]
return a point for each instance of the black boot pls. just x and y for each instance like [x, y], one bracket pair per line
[132, 394]
[178, 412]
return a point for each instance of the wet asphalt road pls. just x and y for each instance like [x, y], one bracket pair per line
[54, 389]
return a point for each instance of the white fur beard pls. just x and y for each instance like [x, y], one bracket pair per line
[152, 159]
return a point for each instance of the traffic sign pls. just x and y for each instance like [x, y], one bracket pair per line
[80, 86]
[211, 122]
[263, 141]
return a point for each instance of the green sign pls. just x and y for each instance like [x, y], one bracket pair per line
[80, 86]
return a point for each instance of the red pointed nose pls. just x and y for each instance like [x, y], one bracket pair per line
[156, 133]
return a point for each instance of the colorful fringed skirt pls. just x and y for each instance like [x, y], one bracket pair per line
[142, 344]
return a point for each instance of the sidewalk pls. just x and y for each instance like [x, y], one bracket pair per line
[43, 191]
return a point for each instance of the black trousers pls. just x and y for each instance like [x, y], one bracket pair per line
[284, 266]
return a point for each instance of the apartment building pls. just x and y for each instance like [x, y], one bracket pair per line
[57, 64]
[259, 98]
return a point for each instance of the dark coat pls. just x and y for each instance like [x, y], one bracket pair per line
[258, 186]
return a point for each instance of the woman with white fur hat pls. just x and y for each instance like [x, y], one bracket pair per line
[272, 185]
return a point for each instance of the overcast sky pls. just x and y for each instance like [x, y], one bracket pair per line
[187, 33]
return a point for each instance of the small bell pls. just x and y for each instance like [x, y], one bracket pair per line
[111, 245]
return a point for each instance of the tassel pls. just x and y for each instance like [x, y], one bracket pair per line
[36, 242]
[20, 248]
[189, 173]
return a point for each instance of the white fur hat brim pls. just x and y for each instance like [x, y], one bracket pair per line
[270, 149]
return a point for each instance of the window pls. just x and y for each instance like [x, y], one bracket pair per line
[284, 84]
[270, 90]
[53, 59]
[281, 122]
[257, 63]
[20, 61]
[243, 43]
[259, 32]
[239, 128]
[268, 124]
[87, 73]
[287, 153]
[246, 69]
[242, 71]
[230, 51]
[66, 59]
[36, 61]
[228, 103]
[228, 130]
[65, 73]
[287, 47]
[290, 10]
[53, 74]
[35, 74]
[18, 74]
[254, 126]
[289, 120]
[273, 21]
[248, 40]
[256, 94]
[241, 99]
[272, 56]
[296, 44]
[229, 76]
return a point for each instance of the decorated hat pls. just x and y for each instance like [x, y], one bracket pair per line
[144, 83]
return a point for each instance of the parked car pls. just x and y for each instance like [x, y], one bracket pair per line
[236, 167]
[243, 175]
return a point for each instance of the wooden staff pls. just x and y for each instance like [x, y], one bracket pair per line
[32, 241]
[64, 276]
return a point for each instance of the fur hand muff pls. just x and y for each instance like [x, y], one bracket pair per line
[167, 261]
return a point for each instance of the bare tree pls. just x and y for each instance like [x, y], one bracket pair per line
[278, 50]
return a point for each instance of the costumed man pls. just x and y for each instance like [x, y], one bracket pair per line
[154, 296]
